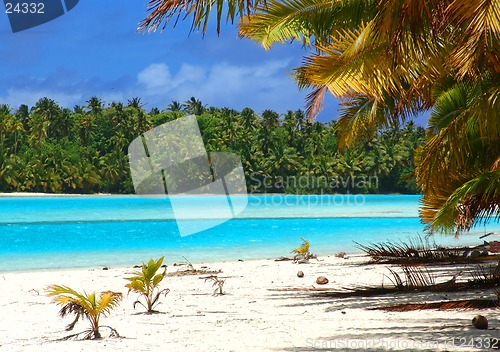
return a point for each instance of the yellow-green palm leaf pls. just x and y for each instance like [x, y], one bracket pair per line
[307, 21]
[146, 282]
[162, 11]
[88, 305]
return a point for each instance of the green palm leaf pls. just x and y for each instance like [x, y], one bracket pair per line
[83, 304]
[476, 201]
[306, 21]
[146, 282]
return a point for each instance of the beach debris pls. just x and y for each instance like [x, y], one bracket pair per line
[105, 268]
[300, 274]
[85, 305]
[146, 282]
[341, 255]
[218, 283]
[191, 270]
[283, 259]
[480, 322]
[321, 280]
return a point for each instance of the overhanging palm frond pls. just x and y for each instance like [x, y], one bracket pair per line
[410, 26]
[455, 166]
[477, 32]
[355, 62]
[476, 201]
[344, 66]
[314, 102]
[465, 137]
[359, 120]
[307, 21]
[450, 104]
[163, 11]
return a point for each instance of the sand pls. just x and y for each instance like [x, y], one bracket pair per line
[257, 313]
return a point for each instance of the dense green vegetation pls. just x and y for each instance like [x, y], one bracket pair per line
[52, 149]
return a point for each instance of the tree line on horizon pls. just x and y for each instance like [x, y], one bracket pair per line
[48, 148]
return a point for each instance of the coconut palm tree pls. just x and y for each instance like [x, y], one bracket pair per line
[193, 106]
[174, 106]
[90, 306]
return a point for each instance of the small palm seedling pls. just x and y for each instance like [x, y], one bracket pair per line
[302, 254]
[218, 283]
[90, 306]
[146, 282]
[302, 249]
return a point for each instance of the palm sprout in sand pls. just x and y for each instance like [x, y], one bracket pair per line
[218, 283]
[302, 249]
[388, 61]
[84, 305]
[146, 282]
[302, 254]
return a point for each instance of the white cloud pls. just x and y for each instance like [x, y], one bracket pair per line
[154, 76]
[265, 85]
[262, 86]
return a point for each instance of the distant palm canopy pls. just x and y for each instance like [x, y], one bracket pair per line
[387, 61]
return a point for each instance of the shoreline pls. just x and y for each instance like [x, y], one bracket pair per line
[55, 195]
[130, 263]
[261, 296]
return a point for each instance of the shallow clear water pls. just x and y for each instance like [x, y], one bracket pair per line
[85, 231]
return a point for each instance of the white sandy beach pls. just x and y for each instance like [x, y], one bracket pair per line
[255, 314]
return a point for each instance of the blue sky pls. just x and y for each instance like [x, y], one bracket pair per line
[95, 49]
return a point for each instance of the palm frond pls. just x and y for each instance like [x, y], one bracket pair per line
[307, 21]
[476, 201]
[108, 300]
[314, 102]
[477, 31]
[163, 11]
[84, 305]
[146, 282]
[464, 139]
[359, 120]
[355, 64]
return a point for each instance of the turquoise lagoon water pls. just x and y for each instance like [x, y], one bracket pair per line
[93, 231]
